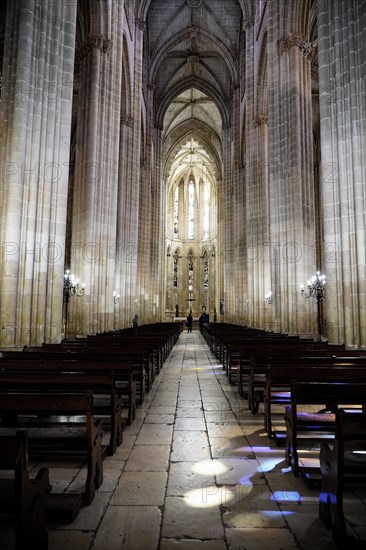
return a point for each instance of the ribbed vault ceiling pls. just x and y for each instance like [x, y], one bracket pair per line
[193, 49]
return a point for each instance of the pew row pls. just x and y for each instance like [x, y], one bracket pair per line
[58, 438]
[107, 403]
[85, 363]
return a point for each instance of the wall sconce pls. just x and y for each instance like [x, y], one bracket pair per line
[71, 288]
[316, 289]
[116, 297]
[268, 297]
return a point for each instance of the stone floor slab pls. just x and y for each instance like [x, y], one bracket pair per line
[140, 489]
[123, 528]
[149, 458]
[188, 476]
[182, 520]
[190, 446]
[153, 434]
[189, 424]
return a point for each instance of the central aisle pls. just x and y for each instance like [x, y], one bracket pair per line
[196, 470]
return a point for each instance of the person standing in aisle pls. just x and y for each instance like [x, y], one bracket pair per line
[189, 322]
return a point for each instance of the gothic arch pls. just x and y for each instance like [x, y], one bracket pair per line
[205, 143]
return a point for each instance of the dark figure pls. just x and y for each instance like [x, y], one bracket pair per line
[201, 320]
[135, 322]
[176, 310]
[189, 322]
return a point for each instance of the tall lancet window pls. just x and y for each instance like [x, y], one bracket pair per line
[175, 269]
[205, 270]
[176, 212]
[206, 211]
[191, 209]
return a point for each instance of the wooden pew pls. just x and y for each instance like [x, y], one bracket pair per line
[107, 404]
[279, 381]
[256, 380]
[74, 362]
[318, 426]
[22, 499]
[134, 343]
[239, 354]
[142, 362]
[62, 437]
[342, 467]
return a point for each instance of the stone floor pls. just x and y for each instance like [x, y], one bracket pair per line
[196, 471]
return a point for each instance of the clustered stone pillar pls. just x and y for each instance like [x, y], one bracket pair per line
[145, 292]
[35, 122]
[342, 85]
[254, 243]
[129, 192]
[291, 184]
[93, 246]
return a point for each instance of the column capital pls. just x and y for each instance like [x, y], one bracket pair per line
[93, 42]
[97, 41]
[293, 39]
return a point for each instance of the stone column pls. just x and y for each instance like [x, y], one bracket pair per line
[226, 217]
[129, 192]
[35, 122]
[251, 242]
[291, 185]
[93, 246]
[342, 87]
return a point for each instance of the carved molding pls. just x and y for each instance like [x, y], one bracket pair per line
[248, 23]
[309, 50]
[193, 59]
[294, 39]
[140, 24]
[93, 42]
[260, 120]
[127, 120]
[97, 41]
